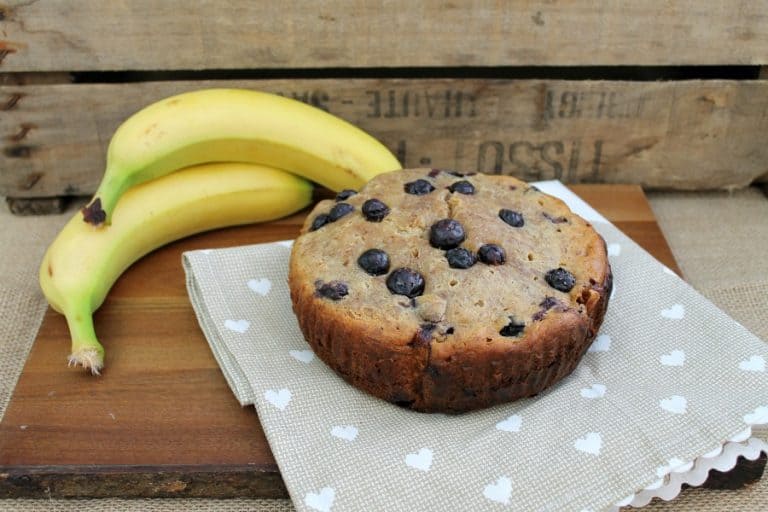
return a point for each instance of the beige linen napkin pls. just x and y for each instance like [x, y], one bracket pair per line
[669, 378]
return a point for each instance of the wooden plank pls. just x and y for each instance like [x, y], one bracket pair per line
[161, 421]
[148, 35]
[679, 134]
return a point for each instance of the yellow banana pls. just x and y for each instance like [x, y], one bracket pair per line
[83, 262]
[236, 125]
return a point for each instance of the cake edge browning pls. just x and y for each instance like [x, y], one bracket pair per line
[524, 368]
[408, 376]
[393, 372]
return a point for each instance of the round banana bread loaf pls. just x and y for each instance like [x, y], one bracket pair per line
[445, 292]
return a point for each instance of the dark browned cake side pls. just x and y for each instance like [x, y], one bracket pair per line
[498, 308]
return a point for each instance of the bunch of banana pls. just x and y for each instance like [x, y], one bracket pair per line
[191, 163]
[214, 125]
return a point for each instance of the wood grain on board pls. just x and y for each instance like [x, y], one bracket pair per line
[161, 420]
[681, 134]
[150, 35]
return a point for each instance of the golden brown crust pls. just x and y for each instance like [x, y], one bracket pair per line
[382, 344]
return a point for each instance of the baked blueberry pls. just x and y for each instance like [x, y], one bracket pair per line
[462, 187]
[545, 305]
[560, 279]
[345, 194]
[333, 290]
[511, 217]
[512, 329]
[446, 234]
[339, 210]
[492, 254]
[320, 221]
[460, 257]
[423, 336]
[405, 281]
[418, 187]
[374, 261]
[374, 210]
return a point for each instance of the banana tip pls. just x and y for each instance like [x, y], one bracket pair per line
[88, 358]
[93, 213]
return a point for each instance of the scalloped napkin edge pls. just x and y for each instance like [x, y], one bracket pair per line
[694, 473]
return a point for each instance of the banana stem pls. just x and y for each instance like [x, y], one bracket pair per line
[86, 349]
[93, 213]
[99, 210]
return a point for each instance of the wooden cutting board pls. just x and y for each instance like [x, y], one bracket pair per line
[160, 420]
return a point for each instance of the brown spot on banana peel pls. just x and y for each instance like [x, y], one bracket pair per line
[93, 213]
[50, 269]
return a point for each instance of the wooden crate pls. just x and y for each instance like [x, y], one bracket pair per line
[540, 90]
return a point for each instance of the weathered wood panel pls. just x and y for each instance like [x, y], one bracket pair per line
[682, 135]
[79, 35]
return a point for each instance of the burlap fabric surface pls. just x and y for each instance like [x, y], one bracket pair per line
[718, 239]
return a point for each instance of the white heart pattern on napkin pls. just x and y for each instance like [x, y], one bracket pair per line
[322, 501]
[595, 391]
[280, 398]
[753, 364]
[675, 404]
[345, 432]
[614, 249]
[757, 417]
[421, 460]
[675, 312]
[601, 344]
[592, 443]
[499, 491]
[305, 356]
[260, 286]
[511, 424]
[237, 325]
[674, 358]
